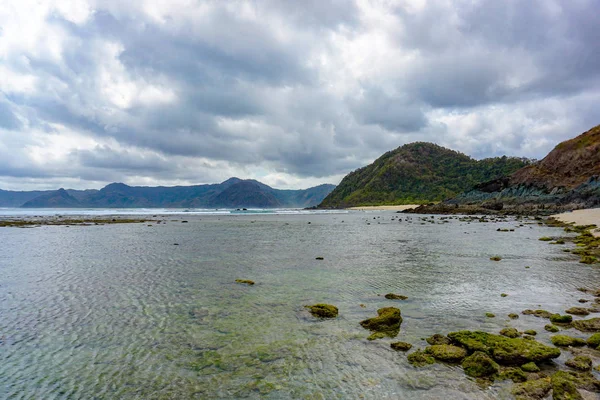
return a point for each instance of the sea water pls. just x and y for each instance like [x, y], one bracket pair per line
[152, 311]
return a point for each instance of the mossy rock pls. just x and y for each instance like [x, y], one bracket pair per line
[514, 374]
[566, 341]
[446, 352]
[508, 351]
[392, 296]
[377, 335]
[388, 321]
[245, 281]
[587, 325]
[322, 310]
[532, 390]
[495, 258]
[438, 339]
[420, 359]
[530, 332]
[401, 346]
[479, 365]
[510, 332]
[551, 328]
[530, 367]
[577, 311]
[566, 383]
[503, 295]
[580, 363]
[561, 319]
[537, 313]
[513, 316]
[594, 340]
[558, 241]
[490, 315]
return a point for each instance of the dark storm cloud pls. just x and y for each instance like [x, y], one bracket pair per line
[306, 89]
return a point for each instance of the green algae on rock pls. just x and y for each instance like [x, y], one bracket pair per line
[537, 313]
[577, 311]
[545, 239]
[551, 328]
[401, 346]
[566, 383]
[513, 316]
[530, 332]
[245, 281]
[566, 341]
[561, 319]
[510, 332]
[580, 363]
[438, 339]
[503, 295]
[495, 258]
[377, 335]
[514, 374]
[490, 315]
[479, 365]
[594, 340]
[587, 325]
[322, 310]
[388, 321]
[530, 367]
[446, 352]
[532, 390]
[508, 351]
[392, 296]
[420, 359]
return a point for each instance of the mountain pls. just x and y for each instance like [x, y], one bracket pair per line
[567, 178]
[233, 193]
[417, 173]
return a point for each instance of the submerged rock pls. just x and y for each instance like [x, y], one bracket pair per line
[490, 315]
[388, 321]
[513, 316]
[561, 319]
[537, 313]
[532, 390]
[510, 332]
[530, 332]
[420, 359]
[508, 351]
[245, 281]
[322, 310]
[446, 352]
[566, 341]
[392, 296]
[401, 346]
[495, 258]
[551, 328]
[587, 325]
[479, 365]
[577, 311]
[581, 363]
[438, 339]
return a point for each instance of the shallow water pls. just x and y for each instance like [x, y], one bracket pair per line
[119, 311]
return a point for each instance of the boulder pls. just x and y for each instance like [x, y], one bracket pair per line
[322, 310]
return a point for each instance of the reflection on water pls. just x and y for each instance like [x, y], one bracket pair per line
[118, 311]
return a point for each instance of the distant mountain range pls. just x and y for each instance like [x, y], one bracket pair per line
[417, 173]
[233, 193]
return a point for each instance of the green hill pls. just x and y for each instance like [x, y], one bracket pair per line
[417, 173]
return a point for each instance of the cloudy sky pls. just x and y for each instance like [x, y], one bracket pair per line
[293, 93]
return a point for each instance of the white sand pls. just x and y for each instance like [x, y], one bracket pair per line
[590, 216]
[385, 208]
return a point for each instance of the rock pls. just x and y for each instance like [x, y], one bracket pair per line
[503, 295]
[566, 341]
[322, 310]
[387, 321]
[245, 281]
[587, 325]
[504, 350]
[577, 311]
[580, 363]
[530, 367]
[513, 316]
[583, 301]
[566, 383]
[438, 339]
[420, 359]
[561, 319]
[514, 374]
[401, 346]
[495, 258]
[545, 239]
[532, 390]
[530, 332]
[446, 352]
[551, 328]
[510, 332]
[479, 365]
[318, 258]
[594, 340]
[376, 335]
[490, 315]
[537, 313]
[392, 296]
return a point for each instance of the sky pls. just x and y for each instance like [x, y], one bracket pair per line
[292, 93]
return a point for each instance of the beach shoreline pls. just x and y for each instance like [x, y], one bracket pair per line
[384, 208]
[588, 216]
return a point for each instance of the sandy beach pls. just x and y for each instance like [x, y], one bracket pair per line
[590, 216]
[385, 208]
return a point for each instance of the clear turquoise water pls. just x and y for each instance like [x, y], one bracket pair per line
[119, 311]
